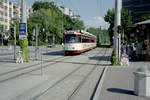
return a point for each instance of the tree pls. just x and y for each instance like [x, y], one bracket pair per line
[109, 17]
[126, 21]
[48, 16]
[77, 24]
[145, 17]
[99, 33]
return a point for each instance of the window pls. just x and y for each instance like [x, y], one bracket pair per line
[92, 40]
[6, 20]
[5, 14]
[5, 7]
[70, 39]
[85, 39]
[79, 38]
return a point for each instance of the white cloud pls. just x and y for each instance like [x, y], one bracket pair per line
[96, 22]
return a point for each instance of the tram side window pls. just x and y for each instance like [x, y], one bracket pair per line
[70, 39]
[92, 40]
[85, 39]
[79, 39]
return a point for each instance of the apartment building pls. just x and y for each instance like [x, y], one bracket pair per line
[68, 11]
[9, 10]
[6, 13]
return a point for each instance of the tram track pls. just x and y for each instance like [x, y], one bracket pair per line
[85, 78]
[67, 76]
[27, 69]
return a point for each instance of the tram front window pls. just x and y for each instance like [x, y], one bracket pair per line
[70, 39]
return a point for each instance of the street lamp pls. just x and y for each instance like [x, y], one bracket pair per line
[117, 22]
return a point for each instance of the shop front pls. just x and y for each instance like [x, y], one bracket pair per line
[142, 31]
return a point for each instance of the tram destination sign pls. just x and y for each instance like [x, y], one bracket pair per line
[22, 30]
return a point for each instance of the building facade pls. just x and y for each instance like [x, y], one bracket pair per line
[9, 10]
[67, 11]
[138, 8]
[6, 12]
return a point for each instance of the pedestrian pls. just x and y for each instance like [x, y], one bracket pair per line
[130, 50]
[124, 59]
[22, 55]
[123, 48]
[19, 58]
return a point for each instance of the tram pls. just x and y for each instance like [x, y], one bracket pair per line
[78, 41]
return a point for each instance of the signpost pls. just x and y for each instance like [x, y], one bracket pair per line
[22, 30]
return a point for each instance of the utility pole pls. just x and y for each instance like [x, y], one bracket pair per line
[116, 24]
[100, 37]
[62, 23]
[36, 39]
[24, 46]
[15, 42]
[2, 38]
[23, 11]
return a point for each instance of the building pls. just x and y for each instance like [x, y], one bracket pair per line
[67, 11]
[29, 11]
[16, 10]
[137, 8]
[9, 10]
[6, 13]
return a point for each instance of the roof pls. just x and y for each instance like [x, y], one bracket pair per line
[143, 22]
[79, 32]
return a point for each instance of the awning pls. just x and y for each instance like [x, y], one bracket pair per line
[143, 22]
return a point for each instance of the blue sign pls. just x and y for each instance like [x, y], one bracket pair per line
[22, 30]
[22, 27]
[2, 30]
[46, 30]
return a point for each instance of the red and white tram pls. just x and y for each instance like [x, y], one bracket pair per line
[78, 42]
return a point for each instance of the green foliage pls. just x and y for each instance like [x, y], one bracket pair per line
[126, 21]
[17, 30]
[48, 16]
[24, 47]
[145, 17]
[103, 34]
[113, 59]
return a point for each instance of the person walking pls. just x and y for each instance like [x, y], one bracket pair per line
[130, 50]
[19, 59]
[123, 48]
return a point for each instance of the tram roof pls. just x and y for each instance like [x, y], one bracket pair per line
[79, 32]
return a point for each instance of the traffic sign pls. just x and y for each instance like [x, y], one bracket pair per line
[1, 30]
[22, 30]
[46, 30]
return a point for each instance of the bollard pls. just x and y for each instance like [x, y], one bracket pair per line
[142, 81]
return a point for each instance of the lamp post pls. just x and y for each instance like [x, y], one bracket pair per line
[24, 45]
[117, 22]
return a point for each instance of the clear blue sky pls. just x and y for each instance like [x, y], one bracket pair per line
[89, 10]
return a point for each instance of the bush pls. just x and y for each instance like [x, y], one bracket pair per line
[114, 59]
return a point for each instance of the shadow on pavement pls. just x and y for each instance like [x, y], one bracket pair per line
[55, 53]
[121, 91]
[100, 58]
[7, 61]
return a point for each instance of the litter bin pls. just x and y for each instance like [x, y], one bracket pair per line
[142, 82]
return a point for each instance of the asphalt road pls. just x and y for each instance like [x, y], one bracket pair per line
[53, 76]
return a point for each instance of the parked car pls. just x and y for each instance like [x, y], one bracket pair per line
[51, 45]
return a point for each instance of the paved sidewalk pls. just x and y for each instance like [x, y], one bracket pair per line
[7, 62]
[119, 83]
